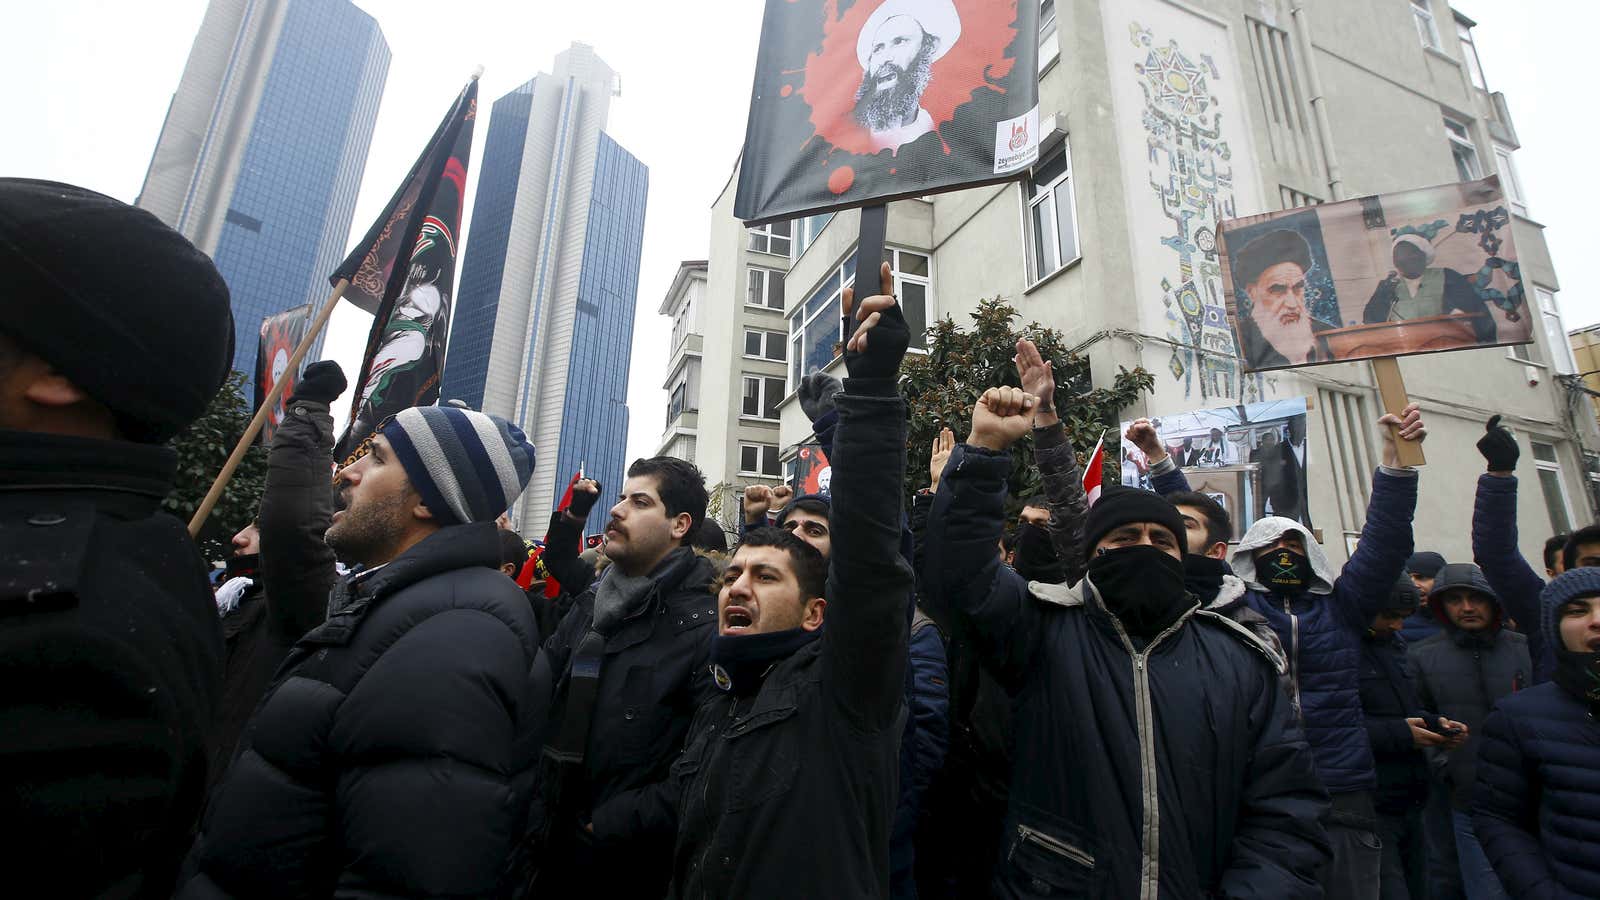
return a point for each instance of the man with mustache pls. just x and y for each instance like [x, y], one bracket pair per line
[1277, 323]
[897, 48]
[624, 673]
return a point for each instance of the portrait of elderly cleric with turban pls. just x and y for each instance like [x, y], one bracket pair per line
[897, 48]
[1272, 271]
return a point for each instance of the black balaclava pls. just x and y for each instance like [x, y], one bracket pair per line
[739, 662]
[1142, 586]
[1036, 558]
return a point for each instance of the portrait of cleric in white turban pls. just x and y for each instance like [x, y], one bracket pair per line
[1387, 275]
[897, 48]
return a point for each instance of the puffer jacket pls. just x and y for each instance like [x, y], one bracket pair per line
[1185, 775]
[922, 746]
[1538, 786]
[1462, 674]
[654, 675]
[1495, 549]
[1388, 698]
[394, 753]
[1321, 627]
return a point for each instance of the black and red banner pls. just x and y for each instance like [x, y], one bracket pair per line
[280, 334]
[403, 272]
[863, 101]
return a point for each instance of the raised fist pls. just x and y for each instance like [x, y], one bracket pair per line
[757, 500]
[1001, 416]
[584, 495]
[1499, 447]
[1142, 434]
[321, 382]
[781, 495]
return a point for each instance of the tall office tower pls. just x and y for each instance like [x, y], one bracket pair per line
[261, 154]
[544, 311]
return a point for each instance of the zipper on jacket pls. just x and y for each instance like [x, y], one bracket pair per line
[1294, 653]
[1054, 845]
[705, 795]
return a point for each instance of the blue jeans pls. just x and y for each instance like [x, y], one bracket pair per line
[1478, 879]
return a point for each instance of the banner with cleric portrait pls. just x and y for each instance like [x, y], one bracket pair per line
[1388, 275]
[858, 102]
[280, 334]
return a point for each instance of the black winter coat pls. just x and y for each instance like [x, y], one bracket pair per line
[791, 792]
[1175, 770]
[110, 667]
[1388, 698]
[394, 753]
[1460, 675]
[653, 677]
[290, 596]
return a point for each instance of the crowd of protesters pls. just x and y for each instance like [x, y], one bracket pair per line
[387, 693]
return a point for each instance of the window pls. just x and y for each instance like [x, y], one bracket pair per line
[676, 400]
[1052, 220]
[1555, 492]
[815, 329]
[764, 288]
[1554, 334]
[1293, 199]
[911, 281]
[1523, 352]
[1292, 130]
[680, 323]
[761, 398]
[759, 459]
[1049, 45]
[772, 237]
[1464, 151]
[1427, 31]
[1509, 180]
[806, 231]
[764, 344]
[1469, 55]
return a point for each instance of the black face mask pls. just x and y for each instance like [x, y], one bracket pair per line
[1579, 675]
[246, 565]
[739, 662]
[1283, 571]
[1036, 558]
[1142, 586]
[1202, 575]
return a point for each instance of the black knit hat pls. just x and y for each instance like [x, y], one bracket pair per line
[1274, 247]
[1425, 563]
[1403, 597]
[116, 301]
[1119, 505]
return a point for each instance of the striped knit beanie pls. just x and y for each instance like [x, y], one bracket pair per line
[468, 466]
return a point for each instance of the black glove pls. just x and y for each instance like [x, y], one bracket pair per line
[321, 382]
[1498, 447]
[817, 392]
[886, 345]
[582, 502]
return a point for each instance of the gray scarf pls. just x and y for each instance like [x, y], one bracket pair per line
[619, 596]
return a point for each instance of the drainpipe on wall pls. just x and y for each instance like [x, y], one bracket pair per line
[1319, 107]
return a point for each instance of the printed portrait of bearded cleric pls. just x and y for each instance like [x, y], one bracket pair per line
[897, 48]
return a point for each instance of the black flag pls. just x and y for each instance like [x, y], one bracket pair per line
[404, 273]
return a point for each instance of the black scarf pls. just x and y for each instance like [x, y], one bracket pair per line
[1036, 558]
[247, 564]
[1142, 586]
[740, 661]
[1203, 576]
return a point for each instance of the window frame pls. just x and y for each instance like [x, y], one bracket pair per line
[1560, 356]
[764, 400]
[1427, 25]
[765, 236]
[1469, 56]
[801, 237]
[767, 338]
[1459, 135]
[1552, 465]
[766, 288]
[892, 257]
[800, 319]
[1049, 35]
[1506, 167]
[1030, 200]
[760, 451]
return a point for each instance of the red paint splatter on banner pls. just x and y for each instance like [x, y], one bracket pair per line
[786, 90]
[840, 179]
[976, 60]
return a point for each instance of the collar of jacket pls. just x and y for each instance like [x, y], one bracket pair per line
[1062, 595]
[1229, 595]
[473, 545]
[141, 473]
[1482, 639]
[679, 571]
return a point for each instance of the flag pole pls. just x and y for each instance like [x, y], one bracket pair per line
[267, 405]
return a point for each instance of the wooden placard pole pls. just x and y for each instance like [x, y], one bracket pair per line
[1392, 387]
[869, 257]
[260, 418]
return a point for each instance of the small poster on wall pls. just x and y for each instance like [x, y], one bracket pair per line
[1387, 275]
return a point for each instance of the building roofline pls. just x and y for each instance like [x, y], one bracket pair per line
[679, 279]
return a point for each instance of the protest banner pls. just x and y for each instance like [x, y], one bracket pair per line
[280, 334]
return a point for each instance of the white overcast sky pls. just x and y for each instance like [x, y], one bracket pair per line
[88, 81]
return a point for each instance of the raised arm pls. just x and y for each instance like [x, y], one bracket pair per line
[1058, 464]
[1165, 476]
[869, 583]
[563, 541]
[1494, 542]
[1362, 588]
[297, 569]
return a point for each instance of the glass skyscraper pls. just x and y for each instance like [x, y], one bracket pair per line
[543, 328]
[261, 155]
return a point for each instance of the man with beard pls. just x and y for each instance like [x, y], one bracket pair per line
[394, 753]
[624, 673]
[1277, 323]
[1320, 621]
[897, 48]
[788, 781]
[1188, 776]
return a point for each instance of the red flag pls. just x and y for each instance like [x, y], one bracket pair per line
[1095, 471]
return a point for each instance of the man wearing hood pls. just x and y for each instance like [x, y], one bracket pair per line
[1460, 673]
[1537, 792]
[1185, 774]
[787, 785]
[1421, 569]
[1320, 621]
[1400, 730]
